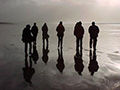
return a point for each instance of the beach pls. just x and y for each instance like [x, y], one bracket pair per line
[46, 75]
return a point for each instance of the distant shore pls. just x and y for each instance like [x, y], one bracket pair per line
[6, 23]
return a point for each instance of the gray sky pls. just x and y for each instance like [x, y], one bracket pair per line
[56, 10]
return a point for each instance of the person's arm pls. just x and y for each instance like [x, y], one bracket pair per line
[83, 30]
[23, 35]
[37, 30]
[42, 28]
[57, 29]
[98, 29]
[75, 28]
[47, 28]
[63, 29]
[32, 29]
[89, 29]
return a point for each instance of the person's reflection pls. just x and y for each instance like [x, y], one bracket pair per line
[60, 61]
[93, 64]
[78, 62]
[28, 70]
[45, 56]
[35, 55]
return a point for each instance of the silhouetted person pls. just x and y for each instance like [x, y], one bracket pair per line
[28, 71]
[34, 31]
[93, 64]
[27, 38]
[78, 62]
[93, 31]
[60, 61]
[35, 55]
[45, 35]
[60, 33]
[45, 56]
[79, 32]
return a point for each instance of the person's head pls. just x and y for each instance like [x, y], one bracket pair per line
[61, 22]
[28, 26]
[93, 23]
[34, 24]
[80, 22]
[45, 24]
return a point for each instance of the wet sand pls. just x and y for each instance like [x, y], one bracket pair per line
[47, 76]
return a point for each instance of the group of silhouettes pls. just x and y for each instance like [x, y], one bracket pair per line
[29, 37]
[79, 32]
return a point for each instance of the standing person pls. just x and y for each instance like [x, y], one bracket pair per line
[45, 35]
[60, 33]
[79, 32]
[93, 31]
[34, 31]
[27, 38]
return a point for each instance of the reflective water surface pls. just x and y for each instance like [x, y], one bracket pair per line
[50, 68]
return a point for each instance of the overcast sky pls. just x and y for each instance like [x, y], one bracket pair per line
[56, 10]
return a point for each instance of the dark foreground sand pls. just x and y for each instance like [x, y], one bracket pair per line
[47, 76]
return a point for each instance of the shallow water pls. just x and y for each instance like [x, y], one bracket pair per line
[47, 76]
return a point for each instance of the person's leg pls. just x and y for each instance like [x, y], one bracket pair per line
[77, 43]
[43, 41]
[61, 41]
[35, 40]
[30, 47]
[90, 42]
[95, 43]
[47, 42]
[30, 61]
[26, 46]
[26, 61]
[58, 41]
[81, 43]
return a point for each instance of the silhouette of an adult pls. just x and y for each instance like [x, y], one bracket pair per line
[27, 38]
[45, 35]
[78, 62]
[60, 33]
[93, 31]
[78, 32]
[34, 31]
[93, 64]
[60, 61]
[28, 70]
[35, 55]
